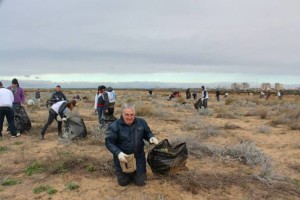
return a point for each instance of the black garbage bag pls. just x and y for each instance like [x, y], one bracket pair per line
[22, 121]
[165, 159]
[198, 104]
[74, 127]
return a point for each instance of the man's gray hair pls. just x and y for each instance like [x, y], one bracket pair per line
[127, 106]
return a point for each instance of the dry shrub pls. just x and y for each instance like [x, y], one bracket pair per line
[251, 113]
[63, 162]
[229, 101]
[263, 114]
[264, 129]
[209, 130]
[195, 146]
[281, 119]
[295, 125]
[225, 116]
[296, 167]
[142, 109]
[245, 152]
[194, 181]
[192, 124]
[230, 126]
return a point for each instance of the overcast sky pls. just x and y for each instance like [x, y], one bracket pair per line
[158, 40]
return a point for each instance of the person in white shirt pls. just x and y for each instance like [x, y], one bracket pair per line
[6, 103]
[56, 112]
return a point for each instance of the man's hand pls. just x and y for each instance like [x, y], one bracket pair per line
[153, 140]
[58, 118]
[122, 157]
[64, 119]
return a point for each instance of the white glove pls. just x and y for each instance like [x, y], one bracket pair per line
[122, 157]
[64, 119]
[153, 140]
[58, 118]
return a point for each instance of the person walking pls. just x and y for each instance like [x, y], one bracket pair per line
[218, 94]
[204, 96]
[125, 138]
[6, 110]
[56, 112]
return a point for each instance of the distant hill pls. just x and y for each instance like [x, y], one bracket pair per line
[129, 85]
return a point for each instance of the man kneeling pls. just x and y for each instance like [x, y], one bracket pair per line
[125, 137]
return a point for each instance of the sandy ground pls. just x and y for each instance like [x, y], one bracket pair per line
[217, 176]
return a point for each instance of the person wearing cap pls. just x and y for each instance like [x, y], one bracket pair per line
[99, 105]
[6, 104]
[57, 112]
[19, 97]
[125, 138]
[57, 95]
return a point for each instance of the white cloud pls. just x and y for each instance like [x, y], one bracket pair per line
[136, 37]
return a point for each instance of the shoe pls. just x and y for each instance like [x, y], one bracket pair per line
[41, 137]
[8, 132]
[13, 136]
[18, 134]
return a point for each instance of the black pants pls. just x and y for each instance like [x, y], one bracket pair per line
[205, 103]
[16, 109]
[52, 116]
[10, 116]
[124, 178]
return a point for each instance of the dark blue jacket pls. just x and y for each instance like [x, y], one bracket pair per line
[129, 140]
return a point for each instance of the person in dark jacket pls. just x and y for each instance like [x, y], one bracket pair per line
[57, 113]
[19, 98]
[58, 95]
[126, 136]
[188, 93]
[218, 94]
[38, 94]
[100, 103]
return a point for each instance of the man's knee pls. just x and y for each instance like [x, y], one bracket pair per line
[123, 179]
[140, 180]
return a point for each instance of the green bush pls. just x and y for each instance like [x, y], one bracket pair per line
[34, 168]
[72, 186]
[9, 182]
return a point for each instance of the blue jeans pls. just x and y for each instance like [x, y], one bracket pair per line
[100, 113]
[9, 113]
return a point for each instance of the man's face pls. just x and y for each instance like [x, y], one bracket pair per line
[58, 89]
[128, 116]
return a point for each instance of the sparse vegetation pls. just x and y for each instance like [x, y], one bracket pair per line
[34, 168]
[264, 129]
[72, 186]
[10, 182]
[228, 159]
[3, 149]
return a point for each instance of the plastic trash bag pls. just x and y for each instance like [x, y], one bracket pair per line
[74, 127]
[165, 159]
[22, 121]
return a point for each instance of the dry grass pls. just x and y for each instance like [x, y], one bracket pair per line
[220, 166]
